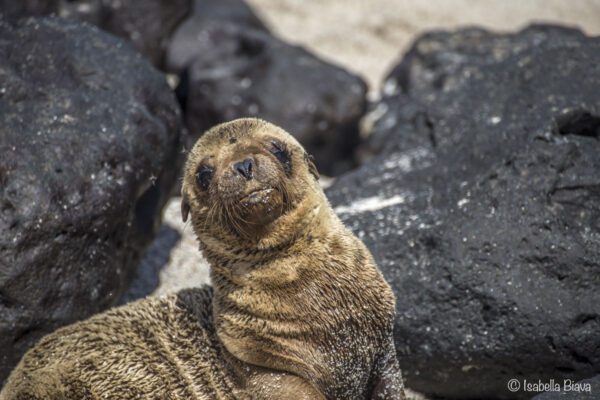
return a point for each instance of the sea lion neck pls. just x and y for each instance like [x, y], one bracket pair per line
[225, 249]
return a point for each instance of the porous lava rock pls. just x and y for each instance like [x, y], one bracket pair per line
[146, 24]
[89, 150]
[482, 208]
[12, 9]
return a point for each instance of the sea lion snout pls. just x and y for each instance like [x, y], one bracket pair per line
[244, 167]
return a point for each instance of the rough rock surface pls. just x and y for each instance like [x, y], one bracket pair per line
[11, 9]
[184, 47]
[234, 71]
[587, 389]
[146, 24]
[228, 10]
[89, 144]
[483, 208]
[146, 279]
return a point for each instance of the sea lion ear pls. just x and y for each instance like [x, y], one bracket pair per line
[185, 208]
[312, 168]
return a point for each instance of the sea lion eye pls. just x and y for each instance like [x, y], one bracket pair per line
[203, 176]
[280, 151]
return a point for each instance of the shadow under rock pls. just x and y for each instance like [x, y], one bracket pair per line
[146, 278]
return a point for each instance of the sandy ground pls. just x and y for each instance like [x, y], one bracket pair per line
[187, 267]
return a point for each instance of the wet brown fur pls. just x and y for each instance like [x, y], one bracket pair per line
[299, 311]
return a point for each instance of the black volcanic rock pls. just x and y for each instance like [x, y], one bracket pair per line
[15, 9]
[147, 279]
[228, 10]
[191, 37]
[89, 145]
[483, 209]
[146, 24]
[230, 71]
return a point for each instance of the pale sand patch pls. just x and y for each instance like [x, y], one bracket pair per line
[186, 267]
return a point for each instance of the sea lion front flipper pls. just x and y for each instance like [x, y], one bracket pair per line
[282, 386]
[389, 385]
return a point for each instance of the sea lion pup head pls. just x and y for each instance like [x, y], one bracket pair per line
[245, 182]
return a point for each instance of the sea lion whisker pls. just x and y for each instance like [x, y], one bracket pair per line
[233, 218]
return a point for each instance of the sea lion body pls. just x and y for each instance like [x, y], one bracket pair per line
[155, 348]
[299, 310]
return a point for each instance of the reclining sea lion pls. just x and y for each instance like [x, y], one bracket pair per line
[299, 310]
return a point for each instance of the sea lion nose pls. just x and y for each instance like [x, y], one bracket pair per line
[244, 168]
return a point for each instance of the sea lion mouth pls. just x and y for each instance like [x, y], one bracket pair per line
[261, 206]
[257, 196]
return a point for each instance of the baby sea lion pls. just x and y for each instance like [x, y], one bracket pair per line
[299, 309]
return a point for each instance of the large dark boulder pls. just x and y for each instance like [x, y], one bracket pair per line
[231, 70]
[483, 208]
[89, 145]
